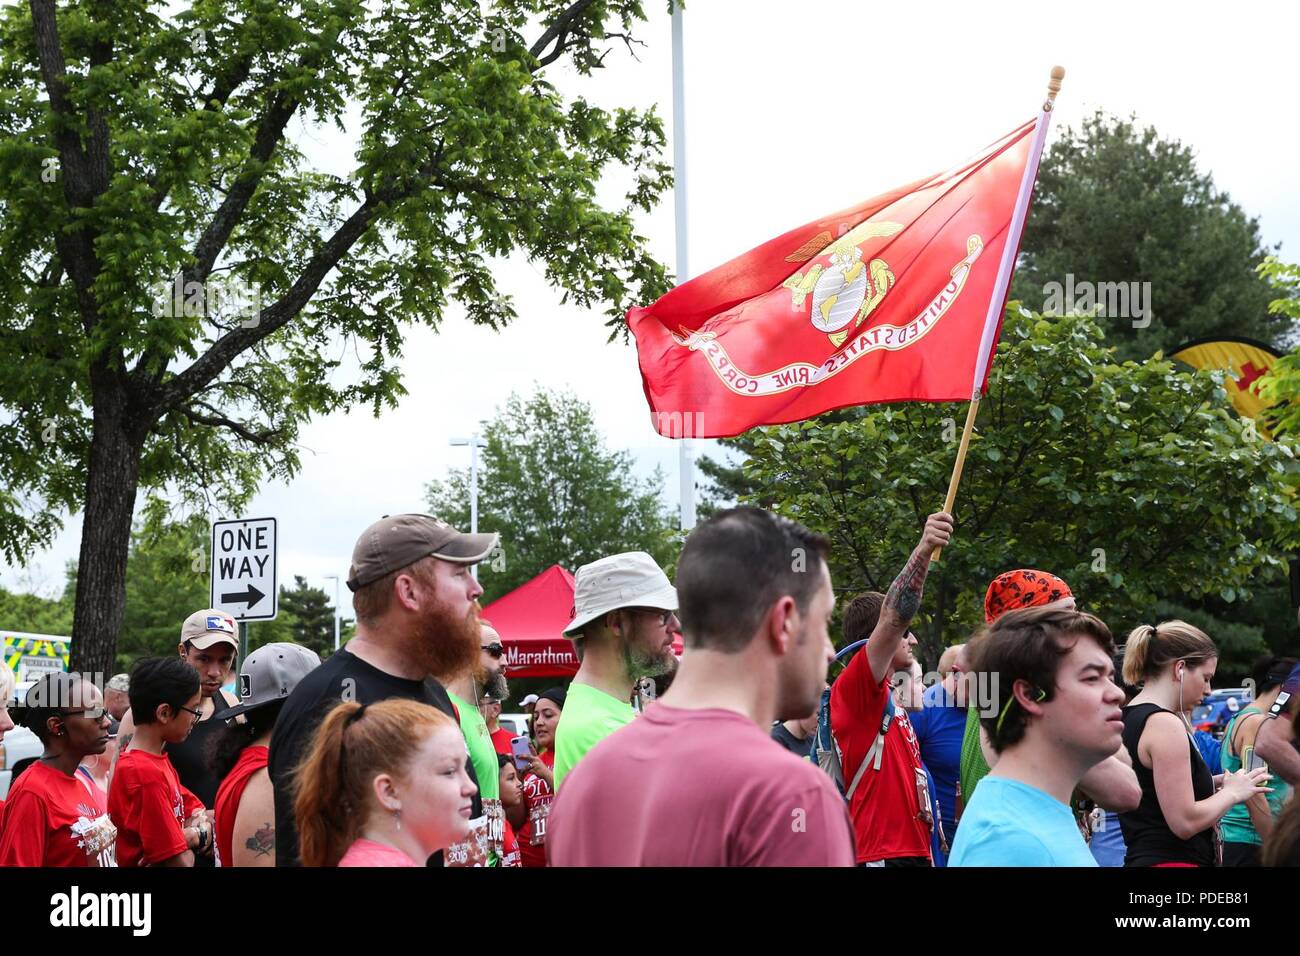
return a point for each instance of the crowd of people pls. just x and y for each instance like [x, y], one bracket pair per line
[1043, 744]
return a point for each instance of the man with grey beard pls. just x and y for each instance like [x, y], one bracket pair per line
[622, 629]
[417, 612]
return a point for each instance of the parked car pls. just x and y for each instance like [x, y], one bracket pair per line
[1212, 714]
[517, 724]
[19, 748]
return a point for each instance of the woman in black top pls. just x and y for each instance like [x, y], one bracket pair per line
[1175, 824]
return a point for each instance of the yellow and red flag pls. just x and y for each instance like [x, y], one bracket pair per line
[897, 299]
[1245, 361]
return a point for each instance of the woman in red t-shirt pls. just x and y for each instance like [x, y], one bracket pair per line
[245, 804]
[54, 817]
[539, 780]
[383, 784]
[6, 722]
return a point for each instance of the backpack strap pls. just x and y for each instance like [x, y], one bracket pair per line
[877, 750]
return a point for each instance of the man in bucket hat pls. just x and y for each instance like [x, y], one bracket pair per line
[622, 629]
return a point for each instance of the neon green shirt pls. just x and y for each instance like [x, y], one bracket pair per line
[481, 754]
[589, 717]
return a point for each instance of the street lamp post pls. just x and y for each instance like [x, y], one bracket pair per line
[335, 579]
[475, 442]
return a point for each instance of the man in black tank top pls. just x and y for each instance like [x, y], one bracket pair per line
[209, 644]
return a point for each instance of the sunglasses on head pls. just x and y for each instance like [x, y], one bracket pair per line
[496, 650]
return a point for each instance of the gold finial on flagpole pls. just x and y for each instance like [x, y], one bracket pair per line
[1054, 86]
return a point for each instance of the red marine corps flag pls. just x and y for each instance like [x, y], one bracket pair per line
[897, 299]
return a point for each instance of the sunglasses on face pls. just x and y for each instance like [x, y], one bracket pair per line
[496, 650]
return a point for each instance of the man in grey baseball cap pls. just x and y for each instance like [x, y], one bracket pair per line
[417, 612]
[245, 801]
[623, 628]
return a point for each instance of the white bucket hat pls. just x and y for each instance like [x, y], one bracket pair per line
[631, 579]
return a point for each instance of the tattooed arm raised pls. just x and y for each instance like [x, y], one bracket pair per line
[904, 596]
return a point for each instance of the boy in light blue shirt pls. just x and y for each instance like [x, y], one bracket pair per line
[1056, 712]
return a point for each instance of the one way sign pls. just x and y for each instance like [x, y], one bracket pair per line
[243, 569]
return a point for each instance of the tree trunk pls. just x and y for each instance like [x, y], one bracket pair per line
[114, 474]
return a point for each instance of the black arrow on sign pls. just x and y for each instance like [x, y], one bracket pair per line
[249, 597]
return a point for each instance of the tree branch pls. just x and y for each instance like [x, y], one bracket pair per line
[221, 421]
[209, 365]
[85, 169]
[558, 33]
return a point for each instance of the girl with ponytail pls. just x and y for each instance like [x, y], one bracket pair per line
[1176, 824]
[383, 784]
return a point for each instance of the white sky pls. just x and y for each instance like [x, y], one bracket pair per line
[793, 111]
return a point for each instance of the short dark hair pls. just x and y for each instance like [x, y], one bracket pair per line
[160, 680]
[1270, 672]
[1028, 645]
[861, 615]
[53, 695]
[735, 566]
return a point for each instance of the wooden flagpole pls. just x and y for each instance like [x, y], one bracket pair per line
[997, 300]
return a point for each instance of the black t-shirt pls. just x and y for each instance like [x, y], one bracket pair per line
[1146, 832]
[343, 677]
[190, 756]
[800, 748]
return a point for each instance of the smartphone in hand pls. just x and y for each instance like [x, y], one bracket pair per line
[521, 750]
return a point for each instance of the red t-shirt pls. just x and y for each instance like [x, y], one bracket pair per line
[229, 794]
[501, 740]
[510, 847]
[537, 798]
[52, 819]
[886, 807]
[706, 787]
[150, 807]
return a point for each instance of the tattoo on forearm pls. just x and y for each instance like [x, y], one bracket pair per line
[263, 841]
[904, 595]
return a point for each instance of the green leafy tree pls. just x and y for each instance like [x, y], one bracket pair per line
[305, 617]
[555, 493]
[38, 615]
[1281, 385]
[1115, 202]
[181, 280]
[1132, 481]
[167, 580]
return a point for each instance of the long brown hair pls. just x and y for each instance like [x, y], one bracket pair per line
[1281, 844]
[354, 744]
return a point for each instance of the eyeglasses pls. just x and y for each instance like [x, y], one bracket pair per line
[496, 650]
[196, 713]
[664, 616]
[95, 713]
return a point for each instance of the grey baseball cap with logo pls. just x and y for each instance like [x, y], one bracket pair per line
[398, 541]
[270, 674]
[631, 579]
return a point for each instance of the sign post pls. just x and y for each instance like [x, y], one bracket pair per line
[244, 581]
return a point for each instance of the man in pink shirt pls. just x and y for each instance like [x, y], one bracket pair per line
[696, 780]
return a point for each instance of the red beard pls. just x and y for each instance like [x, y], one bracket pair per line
[443, 646]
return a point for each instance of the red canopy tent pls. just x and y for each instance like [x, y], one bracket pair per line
[531, 620]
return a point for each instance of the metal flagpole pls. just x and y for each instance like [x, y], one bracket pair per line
[997, 301]
[686, 461]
